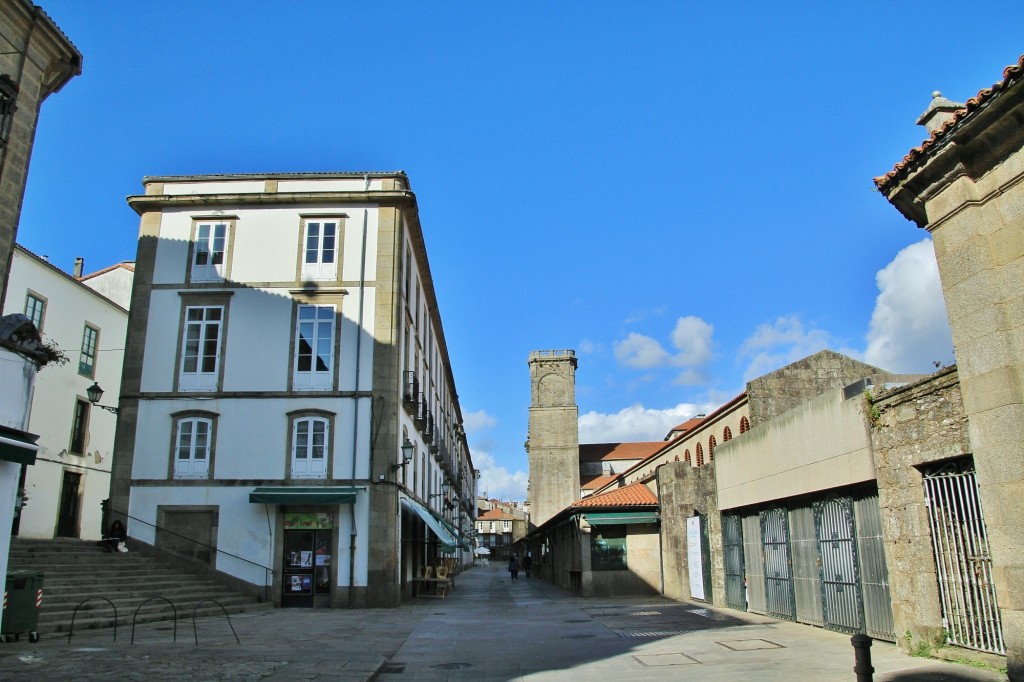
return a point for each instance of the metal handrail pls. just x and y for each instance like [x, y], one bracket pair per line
[82, 603]
[169, 603]
[195, 630]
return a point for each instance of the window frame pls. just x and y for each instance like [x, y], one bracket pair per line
[190, 382]
[210, 272]
[313, 380]
[194, 417]
[319, 270]
[30, 312]
[311, 417]
[614, 556]
[88, 353]
[79, 441]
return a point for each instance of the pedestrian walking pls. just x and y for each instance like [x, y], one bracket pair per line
[527, 564]
[513, 567]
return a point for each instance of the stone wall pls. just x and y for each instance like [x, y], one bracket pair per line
[914, 425]
[779, 391]
[684, 490]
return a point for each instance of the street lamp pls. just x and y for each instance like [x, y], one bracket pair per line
[95, 393]
[407, 450]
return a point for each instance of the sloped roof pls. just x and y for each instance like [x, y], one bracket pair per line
[590, 452]
[595, 482]
[1011, 74]
[687, 425]
[126, 265]
[633, 495]
[495, 515]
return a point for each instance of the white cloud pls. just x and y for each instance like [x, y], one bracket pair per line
[478, 421]
[691, 338]
[909, 329]
[635, 423]
[640, 315]
[588, 347]
[775, 345]
[496, 480]
[640, 352]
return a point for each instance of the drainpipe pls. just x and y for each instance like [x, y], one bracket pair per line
[355, 410]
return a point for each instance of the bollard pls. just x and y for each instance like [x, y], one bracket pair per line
[862, 657]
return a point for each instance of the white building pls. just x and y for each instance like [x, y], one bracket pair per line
[71, 475]
[285, 344]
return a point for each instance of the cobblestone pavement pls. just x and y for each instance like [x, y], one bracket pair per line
[489, 628]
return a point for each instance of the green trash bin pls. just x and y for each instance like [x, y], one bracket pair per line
[23, 596]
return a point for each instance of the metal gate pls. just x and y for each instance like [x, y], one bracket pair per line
[732, 548]
[753, 563]
[874, 573]
[803, 543]
[778, 582]
[841, 604]
[970, 613]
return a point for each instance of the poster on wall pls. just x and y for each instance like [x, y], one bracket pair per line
[300, 583]
[694, 557]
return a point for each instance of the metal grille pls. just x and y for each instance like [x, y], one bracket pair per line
[803, 544]
[874, 573]
[840, 584]
[753, 562]
[732, 546]
[964, 565]
[778, 584]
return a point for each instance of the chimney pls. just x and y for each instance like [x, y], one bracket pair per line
[939, 112]
[79, 264]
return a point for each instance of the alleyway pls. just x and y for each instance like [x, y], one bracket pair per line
[488, 629]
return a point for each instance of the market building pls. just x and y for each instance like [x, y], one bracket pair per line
[288, 413]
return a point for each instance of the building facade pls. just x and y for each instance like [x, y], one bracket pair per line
[36, 61]
[288, 411]
[71, 475]
[963, 185]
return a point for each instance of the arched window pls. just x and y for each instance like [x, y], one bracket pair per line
[726, 434]
[676, 459]
[744, 425]
[686, 456]
[700, 455]
[195, 438]
[310, 446]
[711, 448]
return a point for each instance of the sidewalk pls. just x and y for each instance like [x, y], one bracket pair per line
[487, 629]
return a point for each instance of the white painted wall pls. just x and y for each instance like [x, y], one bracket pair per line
[820, 445]
[69, 304]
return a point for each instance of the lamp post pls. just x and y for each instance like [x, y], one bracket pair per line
[95, 393]
[407, 450]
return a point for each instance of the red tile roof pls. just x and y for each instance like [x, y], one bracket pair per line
[688, 424]
[595, 482]
[495, 515]
[634, 495]
[1011, 74]
[591, 452]
[127, 265]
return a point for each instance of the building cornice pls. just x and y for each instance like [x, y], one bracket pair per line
[146, 203]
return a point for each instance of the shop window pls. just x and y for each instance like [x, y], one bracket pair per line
[608, 548]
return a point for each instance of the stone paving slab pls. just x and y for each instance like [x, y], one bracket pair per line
[487, 629]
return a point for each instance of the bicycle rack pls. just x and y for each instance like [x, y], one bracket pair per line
[195, 630]
[71, 631]
[135, 617]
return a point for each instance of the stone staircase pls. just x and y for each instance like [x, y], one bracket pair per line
[77, 570]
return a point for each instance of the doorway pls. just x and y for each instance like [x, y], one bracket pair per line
[67, 515]
[306, 560]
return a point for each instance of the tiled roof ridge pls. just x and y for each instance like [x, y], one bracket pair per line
[68, 275]
[633, 495]
[1010, 75]
[126, 264]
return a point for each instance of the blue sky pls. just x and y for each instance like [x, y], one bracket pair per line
[681, 192]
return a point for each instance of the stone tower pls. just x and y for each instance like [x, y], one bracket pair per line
[554, 443]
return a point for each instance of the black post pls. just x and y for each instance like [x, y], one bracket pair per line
[862, 657]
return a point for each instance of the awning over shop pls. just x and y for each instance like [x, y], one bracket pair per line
[621, 518]
[454, 531]
[303, 494]
[18, 446]
[433, 523]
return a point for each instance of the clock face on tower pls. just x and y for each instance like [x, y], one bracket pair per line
[551, 391]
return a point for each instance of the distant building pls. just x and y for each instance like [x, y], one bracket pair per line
[289, 416]
[71, 475]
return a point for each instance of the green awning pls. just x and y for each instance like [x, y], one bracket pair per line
[304, 494]
[433, 522]
[18, 447]
[454, 531]
[621, 518]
